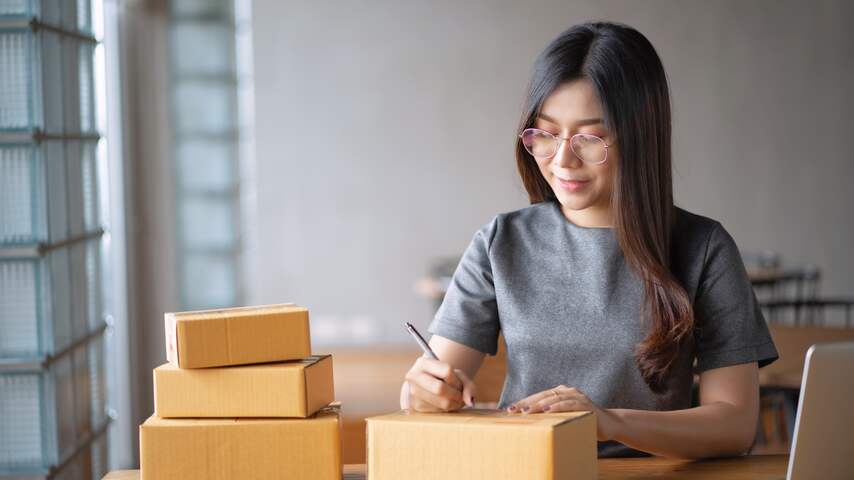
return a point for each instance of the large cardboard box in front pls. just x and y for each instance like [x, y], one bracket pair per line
[228, 449]
[296, 388]
[485, 444]
[237, 336]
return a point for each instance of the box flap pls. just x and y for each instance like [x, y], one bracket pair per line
[325, 415]
[234, 312]
[483, 416]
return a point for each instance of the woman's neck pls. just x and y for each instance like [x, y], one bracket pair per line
[590, 217]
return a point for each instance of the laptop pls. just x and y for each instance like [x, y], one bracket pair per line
[823, 442]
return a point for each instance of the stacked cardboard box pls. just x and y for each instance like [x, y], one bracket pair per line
[242, 397]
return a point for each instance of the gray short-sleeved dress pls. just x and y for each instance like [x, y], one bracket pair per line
[569, 307]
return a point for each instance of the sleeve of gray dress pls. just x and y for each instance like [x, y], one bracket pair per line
[468, 313]
[730, 328]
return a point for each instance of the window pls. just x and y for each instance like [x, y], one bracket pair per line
[53, 406]
[209, 139]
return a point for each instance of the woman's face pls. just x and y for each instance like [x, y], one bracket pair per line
[583, 190]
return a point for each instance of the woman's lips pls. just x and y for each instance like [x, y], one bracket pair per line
[572, 185]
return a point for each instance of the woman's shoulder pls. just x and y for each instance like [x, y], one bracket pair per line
[522, 219]
[696, 239]
[514, 226]
[537, 212]
[694, 229]
[688, 224]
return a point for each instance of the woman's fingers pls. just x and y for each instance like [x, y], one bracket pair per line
[428, 383]
[524, 404]
[560, 395]
[539, 402]
[566, 406]
[405, 397]
[469, 388]
[440, 370]
[527, 404]
[419, 404]
[436, 386]
[427, 401]
[543, 403]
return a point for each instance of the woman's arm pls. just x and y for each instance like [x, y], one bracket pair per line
[442, 385]
[724, 424]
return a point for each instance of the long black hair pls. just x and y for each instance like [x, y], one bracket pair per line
[627, 74]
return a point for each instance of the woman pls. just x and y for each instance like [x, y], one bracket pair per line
[604, 291]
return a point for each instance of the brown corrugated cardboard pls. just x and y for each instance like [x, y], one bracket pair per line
[237, 336]
[297, 388]
[482, 444]
[227, 449]
[122, 475]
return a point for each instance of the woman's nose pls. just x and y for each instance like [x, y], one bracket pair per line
[565, 157]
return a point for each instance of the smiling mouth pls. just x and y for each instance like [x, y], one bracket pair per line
[572, 185]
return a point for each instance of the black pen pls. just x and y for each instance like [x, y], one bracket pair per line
[424, 346]
[420, 340]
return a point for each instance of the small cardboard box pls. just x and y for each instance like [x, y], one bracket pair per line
[296, 388]
[482, 444]
[237, 336]
[227, 449]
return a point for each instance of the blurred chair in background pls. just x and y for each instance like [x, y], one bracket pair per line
[772, 281]
[829, 312]
[795, 325]
[798, 317]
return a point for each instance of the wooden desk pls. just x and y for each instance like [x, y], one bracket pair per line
[757, 467]
[754, 467]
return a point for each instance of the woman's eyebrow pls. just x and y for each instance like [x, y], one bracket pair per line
[582, 122]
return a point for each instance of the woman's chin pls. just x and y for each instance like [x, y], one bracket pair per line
[573, 201]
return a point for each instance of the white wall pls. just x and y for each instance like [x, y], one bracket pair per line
[362, 179]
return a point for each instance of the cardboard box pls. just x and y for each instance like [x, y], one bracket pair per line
[251, 448]
[288, 389]
[237, 336]
[122, 475]
[482, 444]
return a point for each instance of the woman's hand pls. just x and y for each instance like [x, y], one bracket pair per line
[434, 386]
[567, 399]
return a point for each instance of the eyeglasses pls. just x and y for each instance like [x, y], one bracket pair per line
[590, 149]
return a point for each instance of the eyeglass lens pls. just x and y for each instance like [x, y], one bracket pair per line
[541, 144]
